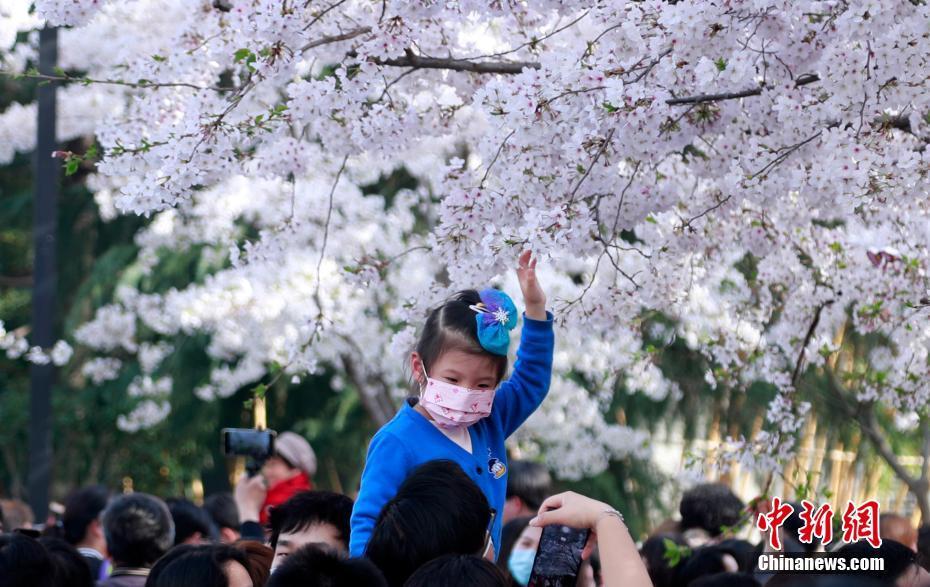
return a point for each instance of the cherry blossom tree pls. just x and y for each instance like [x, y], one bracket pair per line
[754, 170]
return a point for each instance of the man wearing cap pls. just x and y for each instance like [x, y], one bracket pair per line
[289, 470]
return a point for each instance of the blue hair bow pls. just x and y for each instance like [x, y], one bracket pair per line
[497, 316]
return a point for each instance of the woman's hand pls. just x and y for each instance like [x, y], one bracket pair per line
[576, 511]
[534, 298]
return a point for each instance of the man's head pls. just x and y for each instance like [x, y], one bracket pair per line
[204, 565]
[192, 525]
[225, 515]
[898, 528]
[81, 520]
[528, 485]
[437, 510]
[710, 507]
[459, 569]
[292, 455]
[14, 514]
[138, 529]
[315, 565]
[310, 517]
[24, 562]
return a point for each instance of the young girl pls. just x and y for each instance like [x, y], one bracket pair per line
[461, 413]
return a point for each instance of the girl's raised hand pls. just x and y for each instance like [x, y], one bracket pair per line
[533, 296]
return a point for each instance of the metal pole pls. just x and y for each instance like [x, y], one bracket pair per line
[45, 224]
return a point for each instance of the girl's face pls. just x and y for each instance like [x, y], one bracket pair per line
[459, 368]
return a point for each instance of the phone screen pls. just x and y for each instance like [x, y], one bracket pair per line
[248, 442]
[558, 558]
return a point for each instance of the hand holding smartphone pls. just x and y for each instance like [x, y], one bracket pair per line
[558, 559]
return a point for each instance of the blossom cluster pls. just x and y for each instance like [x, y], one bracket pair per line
[755, 170]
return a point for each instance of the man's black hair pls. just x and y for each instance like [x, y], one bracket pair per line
[222, 509]
[437, 510]
[24, 562]
[898, 559]
[746, 553]
[82, 507]
[726, 580]
[138, 529]
[70, 567]
[791, 529]
[189, 520]
[706, 560]
[313, 566]
[710, 506]
[529, 481]
[457, 570]
[189, 564]
[658, 564]
[307, 508]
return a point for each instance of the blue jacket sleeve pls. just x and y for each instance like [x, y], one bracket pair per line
[386, 466]
[519, 396]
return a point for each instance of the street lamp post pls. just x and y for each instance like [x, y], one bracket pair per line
[45, 221]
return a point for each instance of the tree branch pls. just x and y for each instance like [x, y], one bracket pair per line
[503, 67]
[701, 98]
[807, 340]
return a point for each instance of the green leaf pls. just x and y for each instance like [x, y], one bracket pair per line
[159, 58]
[721, 64]
[243, 54]
[72, 165]
[651, 219]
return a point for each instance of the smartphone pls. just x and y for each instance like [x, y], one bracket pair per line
[248, 442]
[558, 558]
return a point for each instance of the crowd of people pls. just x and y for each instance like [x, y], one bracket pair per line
[438, 502]
[436, 531]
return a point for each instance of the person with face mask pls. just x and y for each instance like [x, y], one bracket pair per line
[520, 562]
[465, 406]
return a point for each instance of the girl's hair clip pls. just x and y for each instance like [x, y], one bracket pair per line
[479, 308]
[496, 316]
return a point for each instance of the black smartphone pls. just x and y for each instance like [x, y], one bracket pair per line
[248, 442]
[558, 558]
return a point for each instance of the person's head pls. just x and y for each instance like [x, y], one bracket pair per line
[258, 558]
[15, 514]
[310, 517]
[437, 510]
[225, 515]
[528, 485]
[24, 562]
[745, 553]
[790, 532]
[316, 566]
[521, 558]
[204, 565]
[710, 507]
[71, 569]
[898, 528]
[657, 557]
[81, 520]
[292, 456]
[138, 529]
[458, 570]
[725, 580]
[510, 533]
[704, 561]
[449, 350]
[900, 562]
[192, 525]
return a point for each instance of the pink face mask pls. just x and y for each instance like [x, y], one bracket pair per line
[453, 406]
